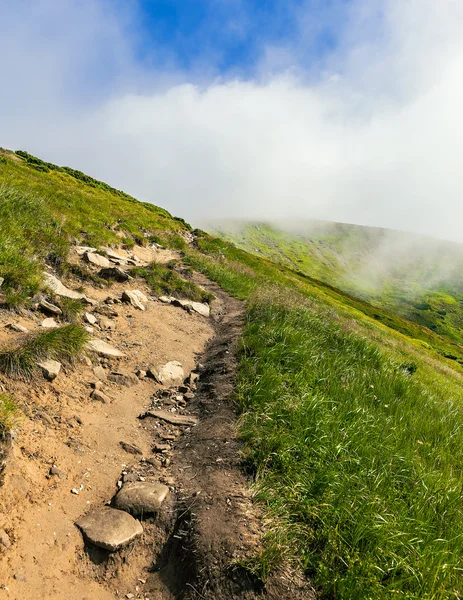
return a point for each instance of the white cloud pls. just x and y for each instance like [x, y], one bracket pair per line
[376, 139]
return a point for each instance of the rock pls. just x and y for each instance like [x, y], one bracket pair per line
[20, 577]
[131, 297]
[171, 373]
[183, 389]
[50, 369]
[123, 379]
[88, 329]
[49, 323]
[81, 250]
[97, 260]
[189, 396]
[130, 448]
[99, 372]
[17, 327]
[2, 281]
[107, 324]
[141, 497]
[100, 396]
[141, 374]
[115, 273]
[75, 491]
[104, 349]
[97, 385]
[130, 478]
[5, 539]
[192, 378]
[161, 448]
[55, 471]
[61, 290]
[202, 309]
[168, 417]
[50, 308]
[90, 318]
[140, 295]
[165, 299]
[109, 528]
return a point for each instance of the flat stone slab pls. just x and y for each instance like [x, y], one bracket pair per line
[97, 260]
[123, 378]
[109, 528]
[104, 349]
[171, 418]
[17, 327]
[50, 308]
[60, 289]
[202, 309]
[114, 273]
[171, 373]
[141, 497]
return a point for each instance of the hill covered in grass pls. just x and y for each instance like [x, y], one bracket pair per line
[351, 416]
[416, 277]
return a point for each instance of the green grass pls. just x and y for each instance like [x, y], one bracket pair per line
[64, 344]
[164, 279]
[8, 413]
[71, 309]
[354, 433]
[42, 210]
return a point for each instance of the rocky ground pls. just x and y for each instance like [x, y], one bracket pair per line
[123, 478]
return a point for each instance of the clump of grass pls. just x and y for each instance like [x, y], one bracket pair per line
[64, 344]
[8, 413]
[164, 279]
[71, 309]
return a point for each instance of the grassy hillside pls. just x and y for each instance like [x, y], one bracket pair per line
[351, 416]
[415, 277]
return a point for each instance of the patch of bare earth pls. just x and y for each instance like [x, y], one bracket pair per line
[67, 459]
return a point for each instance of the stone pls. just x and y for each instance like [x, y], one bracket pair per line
[20, 577]
[2, 281]
[202, 309]
[130, 448]
[192, 378]
[171, 373]
[55, 471]
[165, 299]
[81, 250]
[141, 374]
[100, 396]
[97, 385]
[50, 369]
[89, 329]
[50, 308]
[189, 396]
[115, 273]
[91, 319]
[104, 349]
[123, 379]
[17, 327]
[172, 418]
[59, 289]
[141, 497]
[49, 323]
[97, 260]
[140, 295]
[109, 528]
[161, 448]
[5, 539]
[99, 372]
[131, 297]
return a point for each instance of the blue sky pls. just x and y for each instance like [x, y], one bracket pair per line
[229, 37]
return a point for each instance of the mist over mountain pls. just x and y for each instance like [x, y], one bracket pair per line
[418, 277]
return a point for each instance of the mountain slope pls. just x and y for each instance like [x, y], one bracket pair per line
[350, 417]
[415, 277]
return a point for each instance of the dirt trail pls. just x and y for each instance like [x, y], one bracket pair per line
[208, 522]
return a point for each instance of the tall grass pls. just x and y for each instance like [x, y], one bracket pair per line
[63, 344]
[359, 465]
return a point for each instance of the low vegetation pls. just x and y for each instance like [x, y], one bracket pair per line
[64, 344]
[165, 280]
[353, 433]
[8, 413]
